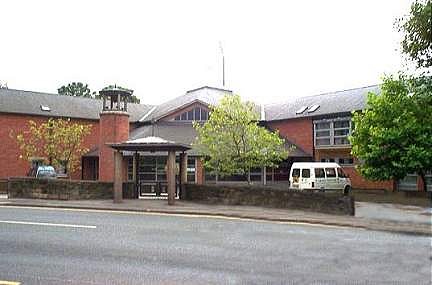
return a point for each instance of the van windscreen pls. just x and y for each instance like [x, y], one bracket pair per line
[296, 172]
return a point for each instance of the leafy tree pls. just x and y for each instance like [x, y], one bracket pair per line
[232, 141]
[417, 29]
[57, 140]
[132, 98]
[77, 89]
[393, 136]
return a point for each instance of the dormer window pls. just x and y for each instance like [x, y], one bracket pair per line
[45, 108]
[196, 114]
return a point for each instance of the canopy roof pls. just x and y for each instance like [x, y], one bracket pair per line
[149, 144]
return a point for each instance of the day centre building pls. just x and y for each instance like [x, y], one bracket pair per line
[317, 126]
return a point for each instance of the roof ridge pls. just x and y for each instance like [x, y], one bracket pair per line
[321, 94]
[75, 97]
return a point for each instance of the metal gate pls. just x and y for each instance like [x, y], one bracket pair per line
[155, 189]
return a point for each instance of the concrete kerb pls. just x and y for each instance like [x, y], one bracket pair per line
[373, 225]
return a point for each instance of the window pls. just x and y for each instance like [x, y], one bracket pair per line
[296, 172]
[305, 173]
[319, 173]
[313, 108]
[191, 170]
[330, 172]
[301, 110]
[196, 114]
[130, 169]
[45, 108]
[339, 160]
[332, 132]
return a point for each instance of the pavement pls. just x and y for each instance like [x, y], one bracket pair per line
[370, 216]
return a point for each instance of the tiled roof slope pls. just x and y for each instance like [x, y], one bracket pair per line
[29, 102]
[178, 132]
[330, 103]
[206, 95]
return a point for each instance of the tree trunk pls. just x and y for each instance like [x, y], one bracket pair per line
[249, 177]
[423, 177]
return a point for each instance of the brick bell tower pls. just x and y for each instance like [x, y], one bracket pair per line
[113, 127]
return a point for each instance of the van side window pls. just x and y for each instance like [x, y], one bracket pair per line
[319, 173]
[305, 173]
[296, 172]
[341, 173]
[330, 172]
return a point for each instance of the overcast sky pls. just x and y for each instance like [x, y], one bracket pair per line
[273, 50]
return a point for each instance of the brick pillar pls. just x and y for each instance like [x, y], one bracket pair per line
[113, 128]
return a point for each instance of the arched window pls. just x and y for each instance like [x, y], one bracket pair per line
[196, 114]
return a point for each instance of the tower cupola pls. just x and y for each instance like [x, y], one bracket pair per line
[115, 98]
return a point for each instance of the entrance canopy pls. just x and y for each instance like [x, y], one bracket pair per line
[150, 144]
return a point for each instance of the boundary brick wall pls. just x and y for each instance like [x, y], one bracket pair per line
[329, 203]
[58, 189]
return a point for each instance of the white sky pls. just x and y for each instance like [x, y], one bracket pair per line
[274, 50]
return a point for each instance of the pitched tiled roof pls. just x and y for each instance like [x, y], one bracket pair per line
[29, 102]
[206, 95]
[184, 133]
[329, 103]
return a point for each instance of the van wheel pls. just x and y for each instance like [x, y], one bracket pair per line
[347, 190]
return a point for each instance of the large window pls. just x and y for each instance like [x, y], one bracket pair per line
[196, 114]
[333, 132]
[152, 168]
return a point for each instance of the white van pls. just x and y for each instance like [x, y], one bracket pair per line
[319, 176]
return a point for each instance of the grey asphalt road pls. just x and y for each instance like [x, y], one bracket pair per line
[125, 248]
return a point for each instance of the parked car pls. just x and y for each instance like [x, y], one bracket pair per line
[46, 172]
[319, 176]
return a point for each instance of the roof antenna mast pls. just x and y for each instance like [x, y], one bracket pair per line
[223, 63]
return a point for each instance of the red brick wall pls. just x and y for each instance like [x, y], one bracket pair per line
[11, 164]
[114, 128]
[357, 181]
[298, 131]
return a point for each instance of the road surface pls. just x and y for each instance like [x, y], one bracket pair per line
[47, 246]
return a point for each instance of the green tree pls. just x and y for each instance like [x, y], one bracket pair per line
[393, 136]
[58, 141]
[417, 30]
[232, 141]
[77, 89]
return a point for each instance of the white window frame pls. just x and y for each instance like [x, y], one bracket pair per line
[332, 130]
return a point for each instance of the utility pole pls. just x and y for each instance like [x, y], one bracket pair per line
[223, 64]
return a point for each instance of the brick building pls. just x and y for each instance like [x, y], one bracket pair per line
[317, 126]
